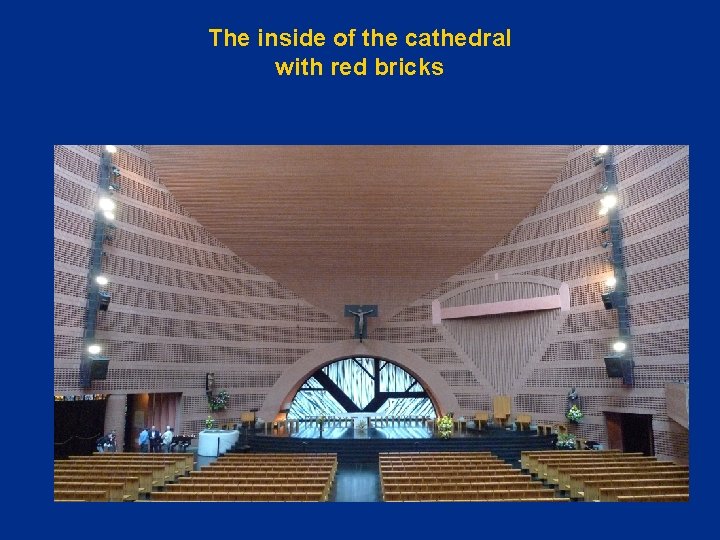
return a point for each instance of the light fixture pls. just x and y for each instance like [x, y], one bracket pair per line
[111, 148]
[603, 210]
[609, 201]
[94, 348]
[109, 215]
[611, 281]
[106, 204]
[101, 280]
[619, 346]
[603, 149]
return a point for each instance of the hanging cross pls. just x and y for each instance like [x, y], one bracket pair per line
[360, 312]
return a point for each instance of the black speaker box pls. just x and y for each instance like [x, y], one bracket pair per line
[104, 301]
[99, 368]
[616, 366]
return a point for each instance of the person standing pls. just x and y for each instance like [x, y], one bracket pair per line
[143, 440]
[167, 438]
[155, 439]
[110, 444]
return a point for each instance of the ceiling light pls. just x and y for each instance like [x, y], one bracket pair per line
[619, 346]
[603, 149]
[609, 201]
[101, 280]
[603, 210]
[109, 215]
[106, 204]
[611, 281]
[94, 349]
[111, 148]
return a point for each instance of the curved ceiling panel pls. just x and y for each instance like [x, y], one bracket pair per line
[359, 224]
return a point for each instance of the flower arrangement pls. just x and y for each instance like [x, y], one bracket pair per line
[565, 441]
[445, 426]
[574, 414]
[209, 421]
[219, 402]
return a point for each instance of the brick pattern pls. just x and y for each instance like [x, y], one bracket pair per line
[560, 240]
[182, 305]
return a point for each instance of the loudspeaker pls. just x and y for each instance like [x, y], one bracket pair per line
[104, 300]
[616, 366]
[608, 300]
[98, 368]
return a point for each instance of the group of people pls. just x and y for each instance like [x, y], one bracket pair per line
[151, 440]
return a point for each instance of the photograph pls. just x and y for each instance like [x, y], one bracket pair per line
[371, 323]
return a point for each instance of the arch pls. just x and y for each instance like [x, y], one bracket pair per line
[283, 391]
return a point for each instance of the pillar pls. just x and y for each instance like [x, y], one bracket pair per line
[115, 417]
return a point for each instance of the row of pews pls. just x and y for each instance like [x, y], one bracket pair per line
[610, 475]
[116, 477]
[275, 477]
[456, 476]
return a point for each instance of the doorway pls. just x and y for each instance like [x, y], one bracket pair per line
[145, 410]
[630, 432]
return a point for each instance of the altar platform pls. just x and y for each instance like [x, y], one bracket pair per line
[361, 447]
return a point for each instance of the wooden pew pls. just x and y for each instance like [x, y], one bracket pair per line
[85, 495]
[549, 470]
[610, 494]
[530, 460]
[144, 477]
[593, 487]
[575, 479]
[186, 461]
[131, 484]
[680, 497]
[115, 490]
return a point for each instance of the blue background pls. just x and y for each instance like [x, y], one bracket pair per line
[145, 73]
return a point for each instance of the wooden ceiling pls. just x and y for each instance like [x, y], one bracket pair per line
[359, 224]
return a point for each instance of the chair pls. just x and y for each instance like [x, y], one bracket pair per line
[522, 421]
[501, 409]
[481, 419]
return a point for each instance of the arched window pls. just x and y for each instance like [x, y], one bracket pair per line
[361, 384]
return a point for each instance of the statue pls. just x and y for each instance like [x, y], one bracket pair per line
[360, 314]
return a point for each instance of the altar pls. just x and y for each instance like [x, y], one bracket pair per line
[213, 442]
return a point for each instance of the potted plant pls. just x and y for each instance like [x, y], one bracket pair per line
[565, 441]
[574, 414]
[219, 402]
[445, 426]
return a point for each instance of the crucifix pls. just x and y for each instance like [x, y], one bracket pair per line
[359, 312]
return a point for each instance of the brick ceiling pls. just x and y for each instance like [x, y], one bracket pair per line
[359, 224]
